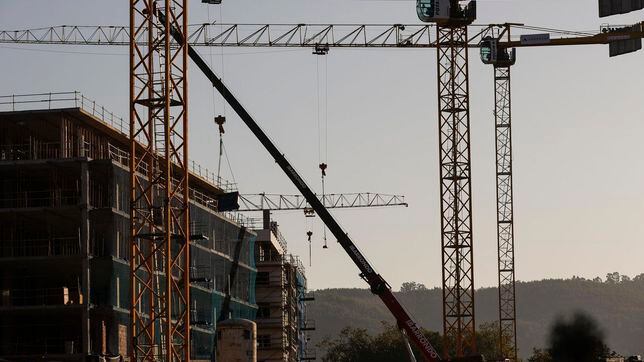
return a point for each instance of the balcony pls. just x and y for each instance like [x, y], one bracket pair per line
[270, 322]
[41, 297]
[30, 248]
[201, 275]
[21, 152]
[47, 198]
[41, 346]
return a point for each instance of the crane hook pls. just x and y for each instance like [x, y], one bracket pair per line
[323, 169]
[220, 120]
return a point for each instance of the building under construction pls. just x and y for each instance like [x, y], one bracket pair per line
[282, 325]
[64, 229]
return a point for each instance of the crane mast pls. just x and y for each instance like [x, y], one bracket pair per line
[505, 214]
[452, 21]
[159, 220]
[502, 59]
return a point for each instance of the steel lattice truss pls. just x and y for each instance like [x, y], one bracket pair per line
[456, 190]
[159, 179]
[505, 219]
[258, 202]
[250, 35]
[304, 35]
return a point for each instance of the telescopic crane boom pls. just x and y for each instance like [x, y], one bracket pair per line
[376, 282]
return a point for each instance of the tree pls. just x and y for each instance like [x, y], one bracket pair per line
[412, 287]
[352, 345]
[356, 345]
[612, 278]
[487, 340]
[638, 278]
[578, 339]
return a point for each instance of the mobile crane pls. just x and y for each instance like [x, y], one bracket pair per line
[377, 284]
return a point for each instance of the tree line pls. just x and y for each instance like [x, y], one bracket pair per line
[576, 338]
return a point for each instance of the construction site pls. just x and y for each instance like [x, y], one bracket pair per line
[118, 244]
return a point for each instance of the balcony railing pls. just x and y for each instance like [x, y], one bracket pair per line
[271, 322]
[47, 198]
[40, 297]
[41, 346]
[38, 151]
[62, 100]
[40, 247]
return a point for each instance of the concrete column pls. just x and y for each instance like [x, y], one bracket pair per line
[84, 239]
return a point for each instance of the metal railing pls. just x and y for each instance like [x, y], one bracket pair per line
[41, 296]
[42, 345]
[296, 261]
[61, 100]
[40, 247]
[75, 99]
[37, 151]
[243, 220]
[278, 235]
[210, 177]
[47, 198]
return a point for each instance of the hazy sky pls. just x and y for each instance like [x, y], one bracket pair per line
[577, 129]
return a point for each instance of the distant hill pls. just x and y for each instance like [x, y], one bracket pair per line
[618, 306]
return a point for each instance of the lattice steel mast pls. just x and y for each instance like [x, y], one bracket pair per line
[456, 190]
[452, 20]
[505, 215]
[502, 60]
[160, 255]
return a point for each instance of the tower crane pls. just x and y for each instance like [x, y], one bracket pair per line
[278, 202]
[502, 60]
[621, 40]
[452, 20]
[499, 50]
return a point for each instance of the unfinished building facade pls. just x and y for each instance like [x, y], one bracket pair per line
[281, 292]
[64, 229]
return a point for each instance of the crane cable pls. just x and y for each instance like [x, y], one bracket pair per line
[220, 119]
[309, 234]
[323, 132]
